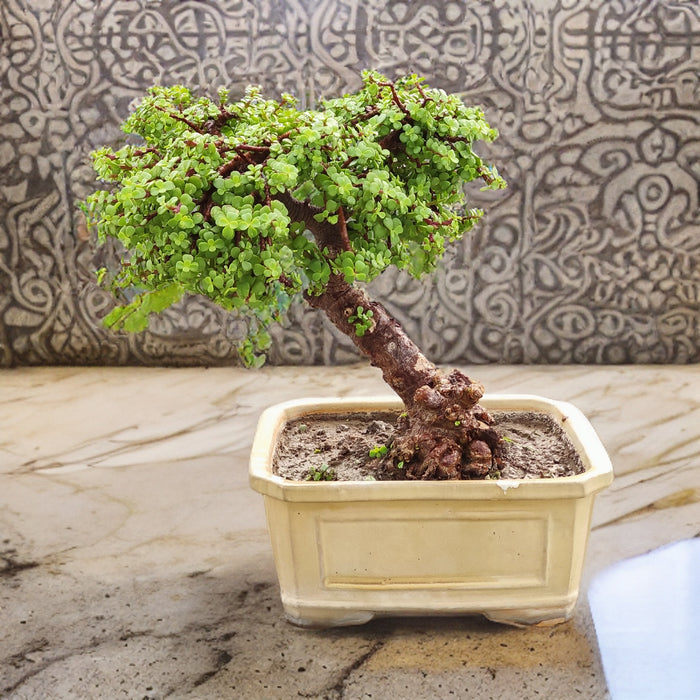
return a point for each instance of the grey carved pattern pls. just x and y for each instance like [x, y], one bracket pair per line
[591, 255]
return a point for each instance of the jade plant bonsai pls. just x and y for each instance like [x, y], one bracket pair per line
[254, 202]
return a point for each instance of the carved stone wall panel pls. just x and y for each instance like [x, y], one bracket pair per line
[591, 255]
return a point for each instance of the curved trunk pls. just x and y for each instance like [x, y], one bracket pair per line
[444, 433]
[403, 365]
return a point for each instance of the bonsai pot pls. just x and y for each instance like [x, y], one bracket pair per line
[512, 550]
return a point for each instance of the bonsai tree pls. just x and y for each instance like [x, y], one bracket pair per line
[254, 202]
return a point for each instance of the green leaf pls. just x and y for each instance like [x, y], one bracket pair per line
[160, 299]
[136, 322]
[114, 318]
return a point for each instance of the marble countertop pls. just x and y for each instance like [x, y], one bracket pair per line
[135, 560]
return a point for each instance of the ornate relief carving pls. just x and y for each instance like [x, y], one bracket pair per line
[592, 255]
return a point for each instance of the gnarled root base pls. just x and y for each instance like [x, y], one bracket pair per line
[445, 433]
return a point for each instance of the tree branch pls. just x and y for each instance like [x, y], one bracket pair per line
[192, 125]
[485, 175]
[395, 97]
[326, 235]
[343, 230]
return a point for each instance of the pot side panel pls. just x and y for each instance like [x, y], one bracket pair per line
[459, 550]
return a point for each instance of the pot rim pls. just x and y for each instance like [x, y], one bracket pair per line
[597, 475]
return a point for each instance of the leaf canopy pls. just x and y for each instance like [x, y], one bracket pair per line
[253, 202]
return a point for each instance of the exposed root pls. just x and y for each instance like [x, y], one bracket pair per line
[445, 433]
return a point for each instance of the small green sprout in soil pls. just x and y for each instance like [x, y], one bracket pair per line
[378, 451]
[322, 473]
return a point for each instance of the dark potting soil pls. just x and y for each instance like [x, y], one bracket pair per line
[338, 446]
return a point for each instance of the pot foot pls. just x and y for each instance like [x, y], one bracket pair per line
[529, 618]
[319, 618]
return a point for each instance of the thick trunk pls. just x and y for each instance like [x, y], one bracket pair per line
[444, 433]
[404, 367]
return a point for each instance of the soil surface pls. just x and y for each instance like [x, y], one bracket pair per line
[339, 447]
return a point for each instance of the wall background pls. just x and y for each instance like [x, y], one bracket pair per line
[592, 254]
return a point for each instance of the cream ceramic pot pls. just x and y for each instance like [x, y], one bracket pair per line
[512, 550]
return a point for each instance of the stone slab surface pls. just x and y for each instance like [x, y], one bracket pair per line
[135, 561]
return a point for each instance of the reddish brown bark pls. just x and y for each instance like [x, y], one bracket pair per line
[444, 432]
